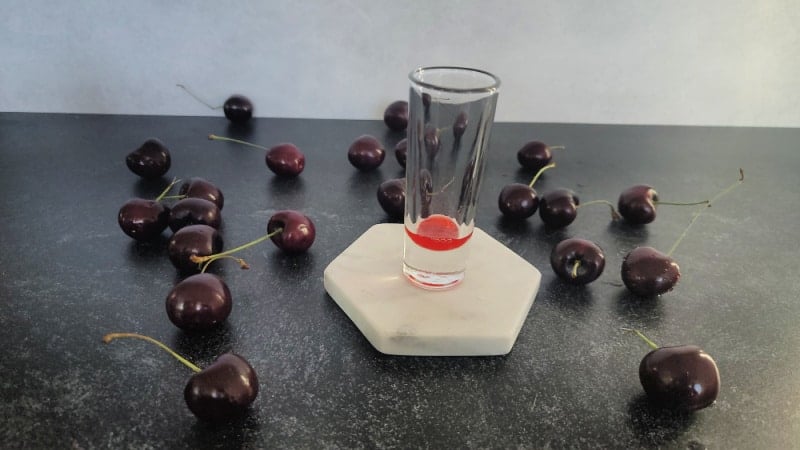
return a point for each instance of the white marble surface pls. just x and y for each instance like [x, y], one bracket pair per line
[481, 316]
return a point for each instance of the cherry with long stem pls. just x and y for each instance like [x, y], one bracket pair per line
[204, 261]
[112, 336]
[283, 159]
[145, 220]
[518, 200]
[648, 272]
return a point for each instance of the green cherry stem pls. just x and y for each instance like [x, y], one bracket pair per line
[226, 254]
[703, 208]
[575, 267]
[614, 214]
[539, 173]
[214, 137]
[111, 336]
[650, 343]
[166, 190]
[173, 197]
[702, 202]
[188, 91]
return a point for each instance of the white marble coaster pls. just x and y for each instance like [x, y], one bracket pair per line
[481, 316]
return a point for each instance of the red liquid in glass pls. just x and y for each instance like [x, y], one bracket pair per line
[438, 232]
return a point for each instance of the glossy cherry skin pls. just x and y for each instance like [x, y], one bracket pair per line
[392, 197]
[285, 160]
[298, 231]
[647, 272]
[199, 302]
[558, 208]
[143, 220]
[460, 125]
[366, 153]
[238, 109]
[222, 391]
[518, 201]
[193, 211]
[396, 115]
[401, 152]
[200, 188]
[200, 240]
[681, 377]
[637, 204]
[589, 255]
[150, 160]
[534, 155]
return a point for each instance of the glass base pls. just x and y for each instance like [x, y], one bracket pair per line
[431, 280]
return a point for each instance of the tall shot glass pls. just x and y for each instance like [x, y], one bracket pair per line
[451, 110]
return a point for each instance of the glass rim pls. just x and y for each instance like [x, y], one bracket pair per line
[492, 86]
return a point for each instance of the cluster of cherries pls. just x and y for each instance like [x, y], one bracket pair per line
[202, 301]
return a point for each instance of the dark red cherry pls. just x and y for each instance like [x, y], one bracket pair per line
[401, 151]
[534, 155]
[681, 377]
[200, 188]
[558, 208]
[432, 142]
[366, 153]
[637, 204]
[647, 272]
[238, 109]
[143, 220]
[426, 100]
[222, 391]
[150, 160]
[200, 240]
[199, 302]
[396, 115]
[518, 201]
[577, 261]
[392, 197]
[298, 231]
[193, 211]
[285, 160]
[460, 124]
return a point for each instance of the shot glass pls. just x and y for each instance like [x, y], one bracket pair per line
[451, 111]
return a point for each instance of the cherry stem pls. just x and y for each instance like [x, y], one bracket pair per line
[650, 343]
[703, 208]
[539, 173]
[575, 267]
[173, 197]
[557, 147]
[214, 137]
[702, 202]
[111, 336]
[188, 91]
[166, 190]
[226, 254]
[614, 214]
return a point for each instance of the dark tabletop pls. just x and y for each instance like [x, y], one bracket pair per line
[68, 275]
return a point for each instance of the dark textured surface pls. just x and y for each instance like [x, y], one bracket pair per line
[68, 275]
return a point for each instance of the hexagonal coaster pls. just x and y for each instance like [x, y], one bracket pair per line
[481, 316]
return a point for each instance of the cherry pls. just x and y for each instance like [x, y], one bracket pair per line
[396, 115]
[238, 109]
[192, 240]
[392, 197]
[432, 141]
[219, 393]
[291, 231]
[192, 211]
[366, 153]
[681, 377]
[142, 219]
[150, 160]
[401, 151]
[199, 302]
[460, 125]
[637, 204]
[196, 187]
[519, 201]
[559, 207]
[577, 261]
[647, 272]
[536, 154]
[284, 159]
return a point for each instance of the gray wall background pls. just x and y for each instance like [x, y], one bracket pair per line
[699, 62]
